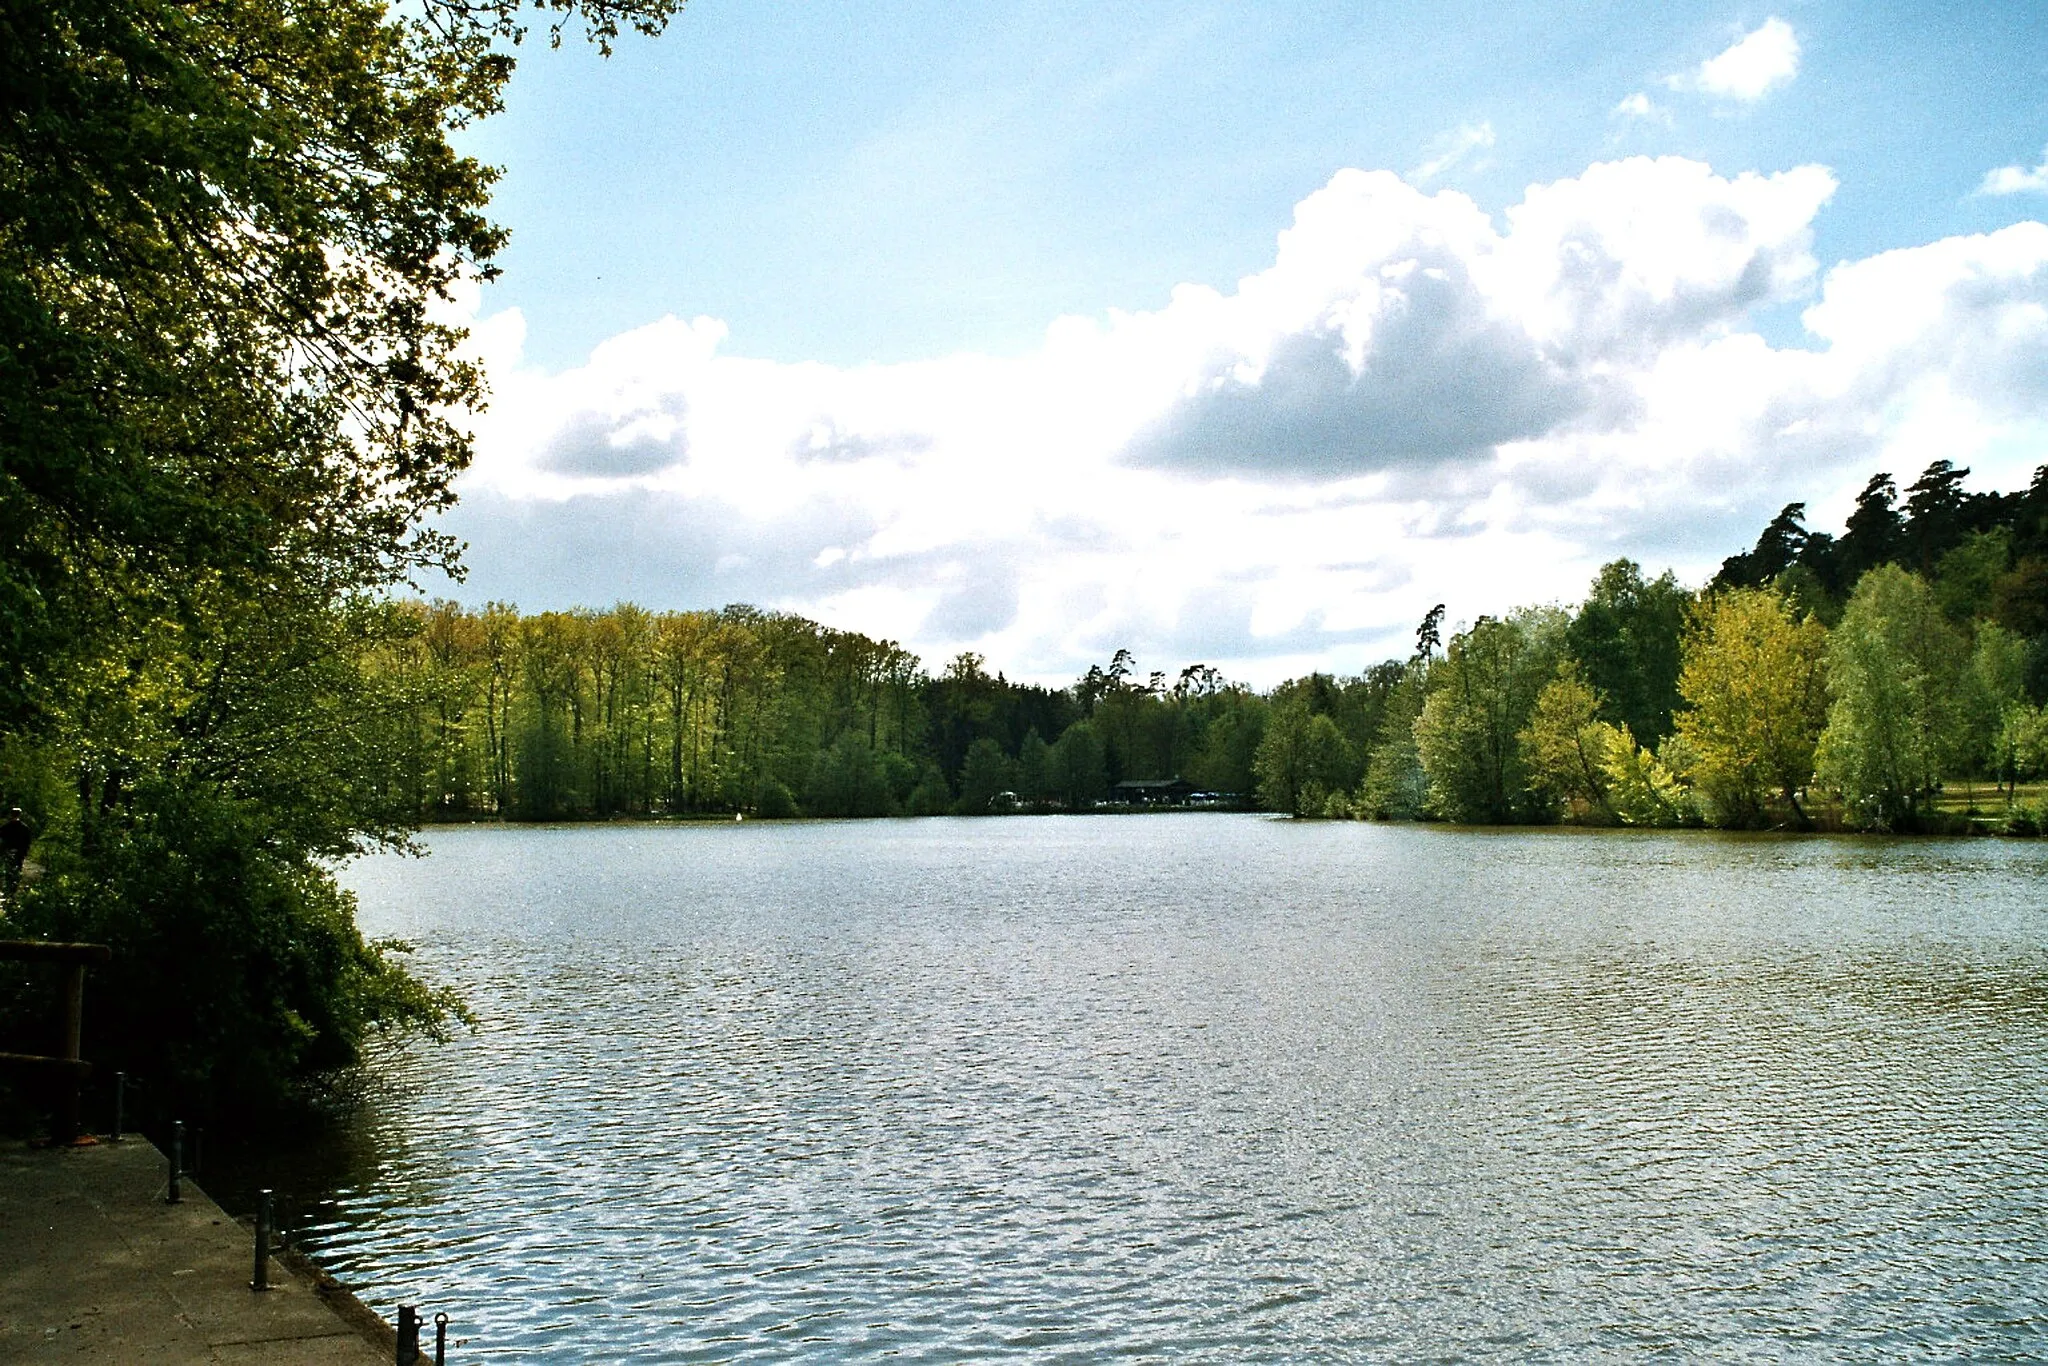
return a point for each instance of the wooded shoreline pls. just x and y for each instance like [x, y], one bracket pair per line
[1817, 681]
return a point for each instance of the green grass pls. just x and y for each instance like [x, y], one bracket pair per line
[1961, 797]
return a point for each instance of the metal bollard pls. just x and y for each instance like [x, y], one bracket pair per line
[120, 1102]
[177, 1159]
[261, 1279]
[440, 1340]
[408, 1335]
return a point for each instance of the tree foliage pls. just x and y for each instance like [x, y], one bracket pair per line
[1566, 745]
[1625, 640]
[1898, 720]
[1482, 695]
[1753, 683]
[230, 397]
[1303, 760]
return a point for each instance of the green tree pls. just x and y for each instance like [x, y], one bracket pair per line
[1303, 760]
[1566, 745]
[1481, 696]
[1232, 722]
[931, 796]
[1641, 788]
[987, 774]
[1395, 786]
[1625, 638]
[1995, 684]
[1281, 765]
[1034, 769]
[228, 405]
[1967, 577]
[1875, 534]
[1754, 683]
[1079, 773]
[848, 780]
[1896, 724]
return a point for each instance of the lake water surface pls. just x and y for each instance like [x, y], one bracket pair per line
[1201, 1086]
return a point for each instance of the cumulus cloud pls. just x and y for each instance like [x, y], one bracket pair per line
[1417, 401]
[603, 444]
[1431, 337]
[2017, 179]
[1754, 65]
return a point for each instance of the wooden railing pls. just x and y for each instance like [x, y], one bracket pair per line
[70, 1070]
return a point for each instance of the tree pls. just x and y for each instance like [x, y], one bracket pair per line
[1875, 533]
[1641, 788]
[1034, 769]
[1967, 575]
[1625, 639]
[1230, 725]
[1078, 773]
[1938, 515]
[848, 780]
[1781, 545]
[229, 402]
[1302, 760]
[1481, 696]
[1896, 725]
[1566, 744]
[987, 774]
[1754, 684]
[1394, 786]
[1994, 686]
[1429, 636]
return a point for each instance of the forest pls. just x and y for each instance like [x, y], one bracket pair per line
[1819, 680]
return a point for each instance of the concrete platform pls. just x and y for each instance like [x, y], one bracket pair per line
[95, 1267]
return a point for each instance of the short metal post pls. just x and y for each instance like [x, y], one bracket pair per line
[177, 1158]
[261, 1279]
[120, 1102]
[74, 1009]
[440, 1340]
[408, 1335]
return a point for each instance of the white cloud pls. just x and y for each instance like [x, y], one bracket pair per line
[1416, 402]
[1451, 148]
[2017, 179]
[1753, 66]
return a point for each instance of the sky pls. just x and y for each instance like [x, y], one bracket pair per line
[1239, 334]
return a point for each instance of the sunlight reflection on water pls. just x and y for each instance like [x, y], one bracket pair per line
[1205, 1086]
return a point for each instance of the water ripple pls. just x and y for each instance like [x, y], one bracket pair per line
[1208, 1088]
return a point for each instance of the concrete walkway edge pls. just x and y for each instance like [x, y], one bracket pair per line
[96, 1267]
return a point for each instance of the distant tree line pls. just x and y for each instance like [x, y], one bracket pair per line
[623, 712]
[1817, 679]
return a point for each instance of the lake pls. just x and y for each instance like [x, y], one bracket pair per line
[1204, 1086]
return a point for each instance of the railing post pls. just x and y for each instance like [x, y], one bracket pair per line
[177, 1159]
[74, 1013]
[408, 1335]
[440, 1340]
[260, 1280]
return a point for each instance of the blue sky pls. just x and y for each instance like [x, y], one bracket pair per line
[869, 212]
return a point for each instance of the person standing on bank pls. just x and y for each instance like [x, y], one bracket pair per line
[15, 838]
